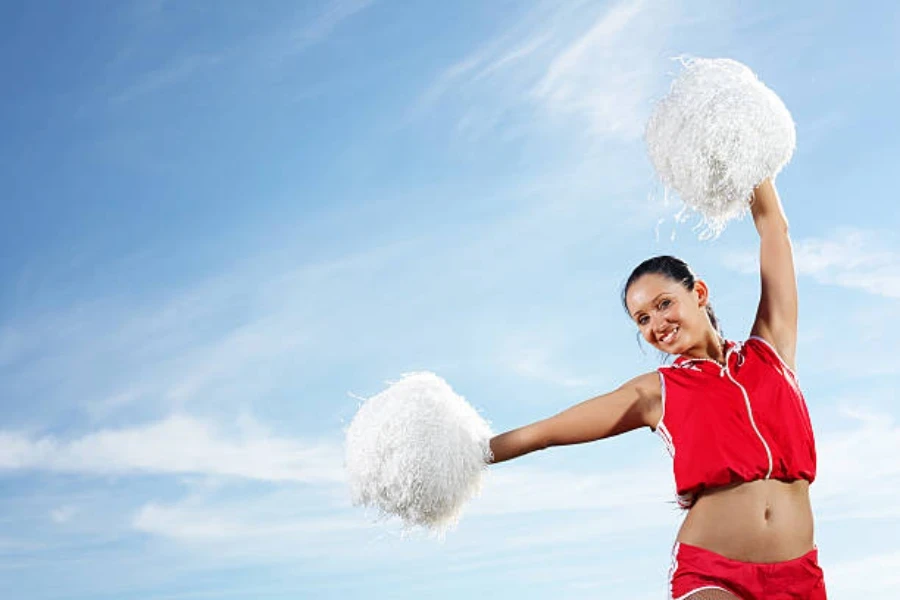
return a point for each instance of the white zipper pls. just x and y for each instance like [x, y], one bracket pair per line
[727, 371]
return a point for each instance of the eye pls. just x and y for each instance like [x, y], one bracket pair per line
[665, 304]
[642, 320]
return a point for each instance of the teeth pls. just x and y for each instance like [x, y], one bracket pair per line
[668, 337]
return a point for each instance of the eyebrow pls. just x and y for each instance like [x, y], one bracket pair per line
[635, 314]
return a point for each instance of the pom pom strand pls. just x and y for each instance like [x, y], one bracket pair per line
[716, 135]
[417, 451]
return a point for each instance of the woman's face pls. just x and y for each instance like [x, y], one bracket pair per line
[669, 316]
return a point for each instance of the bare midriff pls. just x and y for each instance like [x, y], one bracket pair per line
[762, 521]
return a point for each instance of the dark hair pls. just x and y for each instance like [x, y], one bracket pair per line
[676, 270]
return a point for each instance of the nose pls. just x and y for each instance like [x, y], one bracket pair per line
[658, 324]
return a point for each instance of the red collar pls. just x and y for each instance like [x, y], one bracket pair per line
[687, 361]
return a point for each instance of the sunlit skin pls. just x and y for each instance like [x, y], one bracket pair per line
[660, 306]
[760, 521]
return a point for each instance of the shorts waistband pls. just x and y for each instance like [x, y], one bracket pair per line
[687, 549]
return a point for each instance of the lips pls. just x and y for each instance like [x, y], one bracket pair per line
[670, 336]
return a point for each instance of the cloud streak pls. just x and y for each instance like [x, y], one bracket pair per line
[177, 71]
[850, 258]
[322, 26]
[636, 495]
[271, 48]
[604, 76]
[201, 524]
[875, 577]
[282, 522]
[853, 259]
[845, 491]
[179, 444]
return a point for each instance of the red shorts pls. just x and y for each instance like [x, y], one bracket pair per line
[694, 569]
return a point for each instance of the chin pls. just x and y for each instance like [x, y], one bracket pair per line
[672, 351]
[679, 348]
[681, 345]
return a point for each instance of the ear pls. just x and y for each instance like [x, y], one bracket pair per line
[702, 292]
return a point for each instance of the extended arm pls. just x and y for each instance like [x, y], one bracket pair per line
[776, 317]
[633, 405]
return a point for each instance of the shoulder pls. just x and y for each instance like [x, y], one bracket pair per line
[647, 391]
[647, 384]
[769, 352]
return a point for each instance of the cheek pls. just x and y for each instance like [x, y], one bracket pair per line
[647, 334]
[694, 318]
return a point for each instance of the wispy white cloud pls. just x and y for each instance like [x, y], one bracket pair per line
[743, 261]
[491, 59]
[146, 10]
[873, 577]
[177, 71]
[200, 524]
[534, 363]
[178, 444]
[507, 60]
[326, 524]
[297, 37]
[522, 508]
[247, 346]
[224, 342]
[335, 12]
[259, 328]
[850, 258]
[546, 62]
[63, 514]
[843, 490]
[637, 495]
[607, 75]
[451, 78]
[274, 47]
[526, 489]
[539, 358]
[250, 338]
[853, 259]
[12, 344]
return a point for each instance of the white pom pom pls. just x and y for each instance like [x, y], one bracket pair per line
[418, 451]
[717, 134]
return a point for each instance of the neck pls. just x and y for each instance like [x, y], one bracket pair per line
[712, 348]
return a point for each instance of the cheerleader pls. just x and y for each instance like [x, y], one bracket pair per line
[733, 418]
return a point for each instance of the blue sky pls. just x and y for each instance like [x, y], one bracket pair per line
[221, 222]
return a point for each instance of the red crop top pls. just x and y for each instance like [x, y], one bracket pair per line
[736, 423]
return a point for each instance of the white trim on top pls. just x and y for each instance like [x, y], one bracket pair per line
[786, 366]
[661, 430]
[667, 439]
[727, 371]
[662, 392]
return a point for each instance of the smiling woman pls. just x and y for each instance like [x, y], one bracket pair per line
[731, 415]
[666, 285]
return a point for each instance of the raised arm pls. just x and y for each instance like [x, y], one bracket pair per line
[635, 404]
[776, 317]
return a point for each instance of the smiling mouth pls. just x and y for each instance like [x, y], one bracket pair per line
[666, 339]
